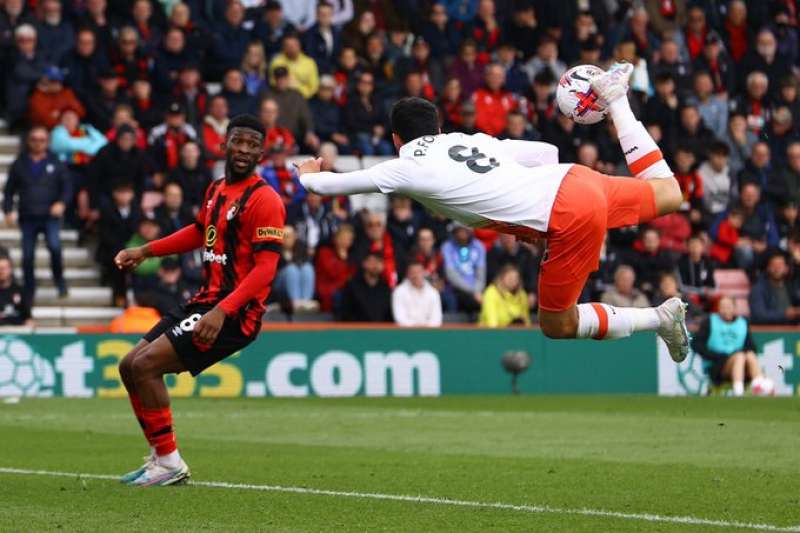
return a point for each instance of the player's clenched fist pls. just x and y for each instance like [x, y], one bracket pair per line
[207, 328]
[130, 258]
[309, 166]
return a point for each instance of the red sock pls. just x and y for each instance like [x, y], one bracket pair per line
[136, 404]
[158, 429]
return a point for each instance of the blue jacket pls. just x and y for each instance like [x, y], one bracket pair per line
[763, 305]
[37, 191]
[314, 45]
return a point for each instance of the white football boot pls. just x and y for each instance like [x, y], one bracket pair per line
[672, 330]
[157, 474]
[133, 474]
[613, 84]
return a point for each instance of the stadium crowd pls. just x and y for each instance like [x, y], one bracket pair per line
[123, 107]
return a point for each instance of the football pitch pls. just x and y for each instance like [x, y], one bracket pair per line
[418, 464]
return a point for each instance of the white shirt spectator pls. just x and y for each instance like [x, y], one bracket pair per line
[415, 302]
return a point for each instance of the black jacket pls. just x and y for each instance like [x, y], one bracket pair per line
[15, 308]
[363, 303]
[115, 231]
[111, 165]
[37, 191]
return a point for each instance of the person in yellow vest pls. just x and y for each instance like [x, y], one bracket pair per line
[505, 302]
[302, 69]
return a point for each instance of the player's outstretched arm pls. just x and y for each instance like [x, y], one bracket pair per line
[531, 153]
[330, 183]
[184, 240]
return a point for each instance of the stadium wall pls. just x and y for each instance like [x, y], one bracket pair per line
[384, 362]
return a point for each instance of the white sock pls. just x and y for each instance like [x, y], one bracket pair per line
[601, 321]
[642, 154]
[738, 388]
[171, 460]
[152, 451]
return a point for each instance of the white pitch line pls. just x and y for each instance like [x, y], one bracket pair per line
[538, 509]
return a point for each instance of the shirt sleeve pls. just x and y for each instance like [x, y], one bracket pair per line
[386, 177]
[531, 153]
[266, 219]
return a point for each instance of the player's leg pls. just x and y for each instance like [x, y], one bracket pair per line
[644, 158]
[147, 370]
[733, 369]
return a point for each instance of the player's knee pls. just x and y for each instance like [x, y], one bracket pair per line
[557, 329]
[126, 366]
[144, 367]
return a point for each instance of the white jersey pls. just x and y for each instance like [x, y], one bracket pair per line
[475, 179]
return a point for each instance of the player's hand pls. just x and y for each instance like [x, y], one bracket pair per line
[57, 209]
[207, 328]
[131, 258]
[309, 166]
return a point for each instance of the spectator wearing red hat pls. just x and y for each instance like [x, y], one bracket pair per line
[50, 98]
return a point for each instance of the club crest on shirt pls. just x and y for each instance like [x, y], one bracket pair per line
[232, 210]
[211, 235]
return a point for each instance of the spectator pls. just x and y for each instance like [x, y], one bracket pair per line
[740, 141]
[402, 223]
[322, 41]
[145, 276]
[423, 63]
[191, 94]
[56, 35]
[235, 93]
[377, 239]
[367, 297]
[97, 20]
[254, 69]
[191, 176]
[283, 177]
[119, 219]
[173, 213]
[122, 160]
[74, 143]
[441, 33]
[83, 64]
[726, 239]
[509, 251]
[334, 266]
[715, 180]
[771, 301]
[758, 168]
[651, 261]
[167, 138]
[780, 133]
[690, 181]
[295, 113]
[670, 63]
[327, 114]
[230, 41]
[269, 113]
[198, 38]
[725, 343]
[493, 103]
[314, 223]
[695, 270]
[754, 104]
[465, 268]
[271, 29]
[169, 292]
[546, 58]
[786, 185]
[466, 68]
[789, 96]
[737, 32]
[50, 98]
[303, 73]
[27, 67]
[42, 185]
[718, 64]
[415, 303]
[668, 288]
[215, 126]
[505, 302]
[101, 105]
[623, 293]
[13, 14]
[145, 108]
[364, 119]
[712, 108]
[295, 276]
[758, 230]
[145, 21]
[693, 132]
[765, 58]
[129, 60]
[171, 57]
[15, 307]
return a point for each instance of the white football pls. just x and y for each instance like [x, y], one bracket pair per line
[762, 386]
[576, 98]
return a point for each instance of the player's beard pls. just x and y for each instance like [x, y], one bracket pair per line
[234, 175]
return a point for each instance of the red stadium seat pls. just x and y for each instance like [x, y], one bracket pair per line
[732, 282]
[742, 307]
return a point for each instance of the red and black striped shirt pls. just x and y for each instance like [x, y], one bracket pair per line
[238, 220]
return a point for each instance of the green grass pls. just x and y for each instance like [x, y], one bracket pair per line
[712, 458]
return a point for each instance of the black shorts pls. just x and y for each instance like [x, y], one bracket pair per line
[178, 326]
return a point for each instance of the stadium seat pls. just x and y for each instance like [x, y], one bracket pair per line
[732, 282]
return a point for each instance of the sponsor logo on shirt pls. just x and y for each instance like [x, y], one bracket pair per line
[210, 257]
[269, 234]
[211, 235]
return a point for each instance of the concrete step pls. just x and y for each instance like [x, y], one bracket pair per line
[6, 160]
[9, 144]
[73, 316]
[78, 297]
[13, 237]
[76, 277]
[73, 257]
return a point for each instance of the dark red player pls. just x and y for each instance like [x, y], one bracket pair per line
[240, 227]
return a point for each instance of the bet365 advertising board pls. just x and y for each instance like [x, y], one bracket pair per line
[390, 362]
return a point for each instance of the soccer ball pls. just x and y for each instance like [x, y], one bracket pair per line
[576, 98]
[762, 386]
[22, 371]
